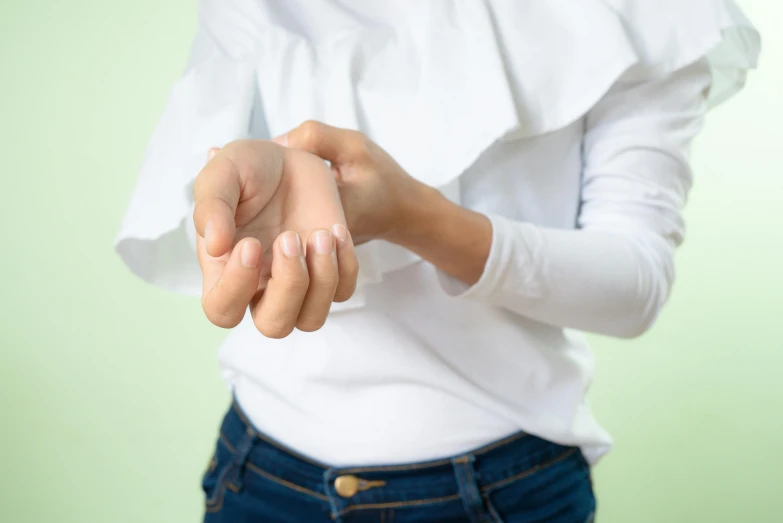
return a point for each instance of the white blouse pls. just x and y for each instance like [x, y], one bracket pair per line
[568, 123]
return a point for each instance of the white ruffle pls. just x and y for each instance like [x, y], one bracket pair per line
[435, 83]
[211, 105]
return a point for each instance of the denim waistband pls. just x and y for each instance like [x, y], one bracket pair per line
[489, 467]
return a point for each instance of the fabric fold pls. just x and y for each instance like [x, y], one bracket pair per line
[209, 106]
[435, 83]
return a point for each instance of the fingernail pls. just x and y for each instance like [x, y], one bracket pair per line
[323, 242]
[208, 232]
[340, 232]
[251, 254]
[281, 140]
[292, 244]
[211, 154]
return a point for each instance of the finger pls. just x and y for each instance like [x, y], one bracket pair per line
[339, 146]
[211, 268]
[216, 194]
[226, 299]
[276, 310]
[347, 264]
[322, 264]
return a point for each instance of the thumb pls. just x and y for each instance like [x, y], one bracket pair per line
[336, 145]
[216, 193]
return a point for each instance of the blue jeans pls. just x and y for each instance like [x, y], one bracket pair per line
[521, 479]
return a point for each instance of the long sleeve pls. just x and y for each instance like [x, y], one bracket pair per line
[614, 272]
[210, 105]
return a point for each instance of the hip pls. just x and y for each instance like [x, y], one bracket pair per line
[519, 479]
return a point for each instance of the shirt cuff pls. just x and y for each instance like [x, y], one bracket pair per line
[514, 275]
[489, 280]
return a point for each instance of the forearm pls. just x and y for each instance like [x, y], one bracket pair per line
[592, 280]
[454, 239]
[588, 280]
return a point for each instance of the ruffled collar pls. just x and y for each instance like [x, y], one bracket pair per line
[438, 82]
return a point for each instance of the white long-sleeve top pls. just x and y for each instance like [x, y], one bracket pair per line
[568, 124]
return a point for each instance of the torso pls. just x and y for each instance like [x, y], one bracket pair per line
[417, 375]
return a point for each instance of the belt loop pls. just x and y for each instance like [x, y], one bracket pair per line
[328, 475]
[468, 488]
[241, 452]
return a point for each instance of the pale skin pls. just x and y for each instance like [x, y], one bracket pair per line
[256, 201]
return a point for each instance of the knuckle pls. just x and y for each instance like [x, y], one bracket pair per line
[310, 133]
[297, 281]
[200, 211]
[236, 147]
[220, 318]
[325, 281]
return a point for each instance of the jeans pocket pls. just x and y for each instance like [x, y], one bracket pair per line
[560, 489]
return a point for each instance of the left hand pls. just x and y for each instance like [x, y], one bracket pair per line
[377, 194]
[254, 196]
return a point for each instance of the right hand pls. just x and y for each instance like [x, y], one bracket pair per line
[255, 202]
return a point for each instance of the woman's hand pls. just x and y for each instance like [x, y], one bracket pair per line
[254, 204]
[376, 193]
[382, 201]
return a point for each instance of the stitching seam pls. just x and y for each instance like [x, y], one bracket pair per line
[285, 483]
[528, 472]
[398, 504]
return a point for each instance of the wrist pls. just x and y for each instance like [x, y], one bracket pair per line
[419, 215]
[454, 239]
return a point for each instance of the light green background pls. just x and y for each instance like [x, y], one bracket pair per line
[109, 388]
